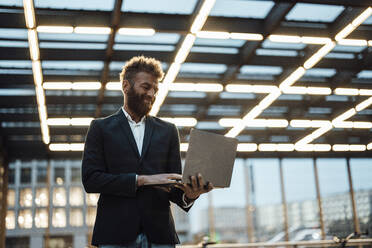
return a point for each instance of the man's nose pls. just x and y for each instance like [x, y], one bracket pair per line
[151, 93]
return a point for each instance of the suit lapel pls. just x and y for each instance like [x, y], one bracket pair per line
[123, 122]
[147, 137]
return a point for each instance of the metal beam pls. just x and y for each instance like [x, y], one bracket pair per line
[115, 19]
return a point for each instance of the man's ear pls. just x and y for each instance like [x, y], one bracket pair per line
[125, 86]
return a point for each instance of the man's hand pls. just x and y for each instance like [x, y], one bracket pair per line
[196, 188]
[157, 179]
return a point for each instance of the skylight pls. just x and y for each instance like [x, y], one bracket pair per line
[243, 9]
[314, 12]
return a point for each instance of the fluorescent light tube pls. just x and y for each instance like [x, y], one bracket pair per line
[34, 45]
[182, 87]
[137, 31]
[318, 90]
[57, 85]
[113, 86]
[363, 105]
[29, 10]
[185, 48]
[285, 38]
[346, 91]
[246, 36]
[202, 16]
[92, 30]
[315, 40]
[212, 35]
[86, 85]
[55, 29]
[291, 79]
[316, 57]
[208, 87]
[247, 147]
[352, 42]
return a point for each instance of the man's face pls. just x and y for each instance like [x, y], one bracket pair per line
[141, 93]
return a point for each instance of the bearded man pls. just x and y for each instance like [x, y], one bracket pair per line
[124, 155]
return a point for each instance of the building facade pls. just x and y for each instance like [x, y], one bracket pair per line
[57, 211]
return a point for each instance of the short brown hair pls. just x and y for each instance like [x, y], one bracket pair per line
[141, 64]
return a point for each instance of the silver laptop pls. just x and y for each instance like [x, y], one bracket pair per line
[212, 155]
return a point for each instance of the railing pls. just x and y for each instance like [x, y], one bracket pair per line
[294, 244]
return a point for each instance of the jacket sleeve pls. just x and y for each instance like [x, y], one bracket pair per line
[174, 166]
[95, 177]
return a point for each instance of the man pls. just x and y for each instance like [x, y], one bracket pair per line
[124, 155]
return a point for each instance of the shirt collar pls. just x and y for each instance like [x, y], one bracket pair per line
[142, 121]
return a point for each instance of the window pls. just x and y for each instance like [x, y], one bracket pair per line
[25, 197]
[10, 219]
[26, 175]
[92, 199]
[75, 175]
[25, 218]
[76, 196]
[59, 217]
[59, 196]
[41, 218]
[42, 197]
[91, 215]
[42, 174]
[59, 175]
[11, 176]
[76, 217]
[11, 197]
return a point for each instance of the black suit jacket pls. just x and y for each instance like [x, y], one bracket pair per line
[110, 163]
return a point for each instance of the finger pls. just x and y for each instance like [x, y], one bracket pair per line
[194, 184]
[209, 186]
[201, 181]
[174, 176]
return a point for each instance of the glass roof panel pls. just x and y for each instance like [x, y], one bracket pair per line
[365, 74]
[320, 72]
[15, 64]
[165, 38]
[72, 45]
[17, 92]
[17, 3]
[73, 37]
[76, 65]
[16, 71]
[118, 65]
[186, 94]
[134, 47]
[281, 45]
[273, 52]
[244, 9]
[6, 43]
[218, 42]
[159, 6]
[340, 55]
[13, 33]
[204, 68]
[353, 49]
[368, 21]
[261, 69]
[77, 5]
[314, 12]
[225, 50]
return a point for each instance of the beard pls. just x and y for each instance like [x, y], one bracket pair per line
[137, 102]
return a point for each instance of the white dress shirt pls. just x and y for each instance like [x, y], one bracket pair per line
[138, 131]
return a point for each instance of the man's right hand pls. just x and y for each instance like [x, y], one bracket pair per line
[157, 179]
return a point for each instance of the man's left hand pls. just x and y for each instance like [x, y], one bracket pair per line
[196, 188]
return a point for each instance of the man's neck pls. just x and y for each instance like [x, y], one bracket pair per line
[134, 117]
